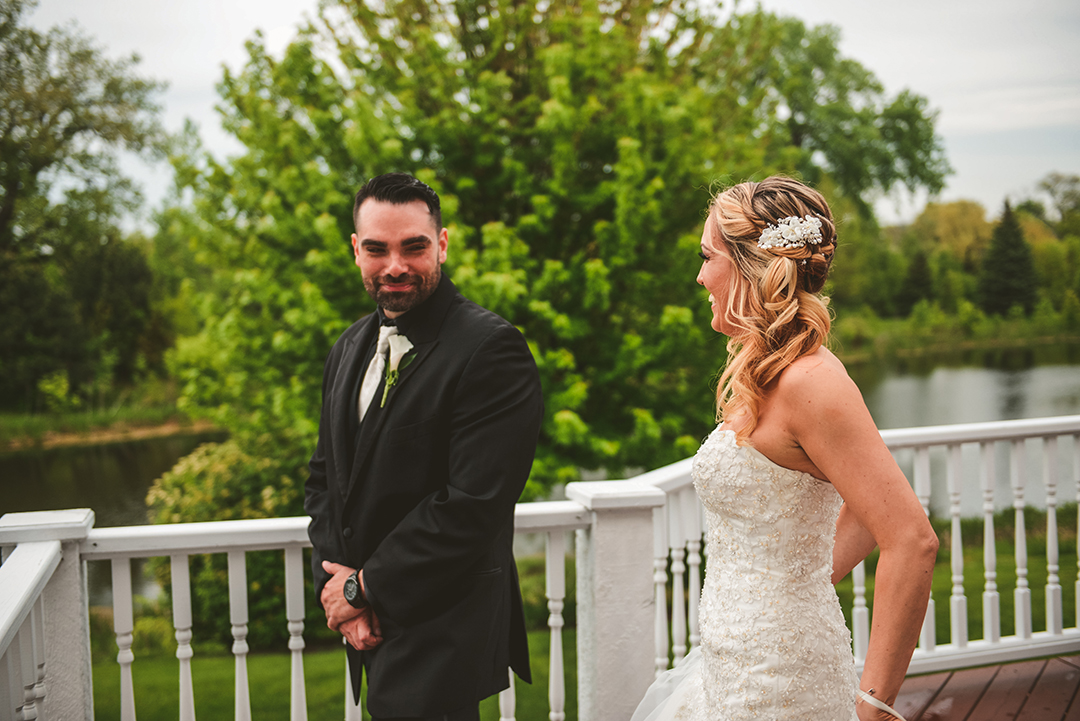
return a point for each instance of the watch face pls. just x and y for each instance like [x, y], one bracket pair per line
[352, 589]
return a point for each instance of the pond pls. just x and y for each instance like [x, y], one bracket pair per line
[110, 478]
[974, 387]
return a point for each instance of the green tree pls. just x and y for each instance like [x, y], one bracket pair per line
[65, 112]
[1064, 192]
[1007, 278]
[835, 114]
[959, 227]
[918, 284]
[571, 145]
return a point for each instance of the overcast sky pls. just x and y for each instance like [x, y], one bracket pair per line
[1003, 76]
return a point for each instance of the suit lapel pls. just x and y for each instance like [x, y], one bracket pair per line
[343, 401]
[424, 336]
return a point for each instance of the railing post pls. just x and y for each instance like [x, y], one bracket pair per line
[615, 596]
[66, 622]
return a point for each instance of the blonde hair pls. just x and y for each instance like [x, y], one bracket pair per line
[774, 299]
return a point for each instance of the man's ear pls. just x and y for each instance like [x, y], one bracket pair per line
[444, 237]
[356, 247]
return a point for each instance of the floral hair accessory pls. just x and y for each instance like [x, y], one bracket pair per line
[791, 232]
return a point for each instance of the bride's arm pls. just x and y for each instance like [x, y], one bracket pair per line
[826, 416]
[853, 544]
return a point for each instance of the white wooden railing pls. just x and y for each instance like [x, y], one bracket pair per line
[628, 534]
[929, 450]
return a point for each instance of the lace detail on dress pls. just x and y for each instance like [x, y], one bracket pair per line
[773, 639]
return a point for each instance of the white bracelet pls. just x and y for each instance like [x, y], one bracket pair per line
[864, 696]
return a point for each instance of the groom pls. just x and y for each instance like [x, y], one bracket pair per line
[431, 411]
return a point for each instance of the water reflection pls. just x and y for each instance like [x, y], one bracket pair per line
[110, 478]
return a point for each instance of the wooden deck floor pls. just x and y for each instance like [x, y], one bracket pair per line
[1041, 690]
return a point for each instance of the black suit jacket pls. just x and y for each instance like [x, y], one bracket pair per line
[422, 498]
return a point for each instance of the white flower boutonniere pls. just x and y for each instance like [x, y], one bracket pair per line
[399, 346]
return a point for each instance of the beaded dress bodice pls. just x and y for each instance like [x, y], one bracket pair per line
[773, 639]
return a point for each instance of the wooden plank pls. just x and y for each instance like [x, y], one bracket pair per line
[917, 693]
[1073, 714]
[1007, 694]
[1052, 693]
[960, 694]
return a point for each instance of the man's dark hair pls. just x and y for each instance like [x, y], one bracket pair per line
[398, 188]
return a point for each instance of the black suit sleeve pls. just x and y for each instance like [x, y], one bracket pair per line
[498, 408]
[317, 500]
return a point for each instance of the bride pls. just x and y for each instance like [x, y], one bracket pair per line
[797, 486]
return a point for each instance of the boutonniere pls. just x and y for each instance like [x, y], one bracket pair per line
[399, 346]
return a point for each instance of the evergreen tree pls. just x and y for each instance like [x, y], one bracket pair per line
[918, 284]
[1007, 277]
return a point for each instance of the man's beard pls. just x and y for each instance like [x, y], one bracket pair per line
[396, 302]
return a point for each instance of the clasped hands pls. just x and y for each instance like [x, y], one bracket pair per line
[359, 626]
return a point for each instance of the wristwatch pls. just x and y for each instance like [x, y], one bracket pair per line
[353, 593]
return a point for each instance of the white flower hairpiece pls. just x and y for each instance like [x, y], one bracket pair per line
[791, 232]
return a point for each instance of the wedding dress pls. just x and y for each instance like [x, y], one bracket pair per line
[773, 640]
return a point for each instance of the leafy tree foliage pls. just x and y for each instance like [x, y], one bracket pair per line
[1007, 278]
[65, 110]
[1064, 192]
[834, 112]
[572, 144]
[918, 283]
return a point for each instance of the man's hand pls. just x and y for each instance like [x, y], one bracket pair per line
[338, 610]
[362, 632]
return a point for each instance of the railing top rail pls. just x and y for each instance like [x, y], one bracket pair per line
[273, 533]
[669, 478]
[22, 579]
[184, 538]
[980, 432]
[550, 516]
[676, 476]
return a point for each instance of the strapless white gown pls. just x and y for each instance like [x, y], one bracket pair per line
[773, 640]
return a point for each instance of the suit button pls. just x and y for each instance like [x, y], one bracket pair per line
[347, 532]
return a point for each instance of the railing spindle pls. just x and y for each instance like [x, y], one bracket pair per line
[1076, 479]
[860, 614]
[1022, 594]
[928, 638]
[10, 697]
[556, 593]
[991, 598]
[692, 519]
[507, 700]
[181, 592]
[294, 614]
[1054, 620]
[37, 627]
[124, 627]
[238, 617]
[677, 542]
[957, 601]
[660, 550]
[28, 672]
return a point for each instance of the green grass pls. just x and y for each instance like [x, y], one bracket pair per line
[157, 685]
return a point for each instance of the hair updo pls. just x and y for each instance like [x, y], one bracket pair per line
[774, 300]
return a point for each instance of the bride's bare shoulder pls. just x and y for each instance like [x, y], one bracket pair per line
[817, 376]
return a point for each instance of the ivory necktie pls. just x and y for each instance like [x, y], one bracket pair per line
[375, 368]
